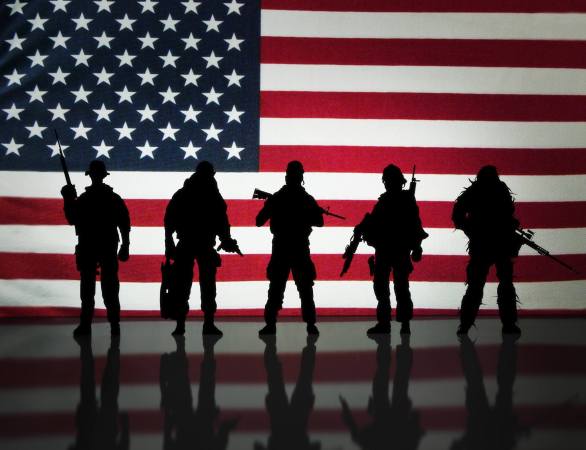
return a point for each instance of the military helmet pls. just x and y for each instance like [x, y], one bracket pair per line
[97, 167]
[487, 174]
[392, 172]
[295, 168]
[206, 169]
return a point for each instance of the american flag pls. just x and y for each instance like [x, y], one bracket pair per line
[345, 86]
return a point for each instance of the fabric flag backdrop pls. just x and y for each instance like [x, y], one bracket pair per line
[344, 86]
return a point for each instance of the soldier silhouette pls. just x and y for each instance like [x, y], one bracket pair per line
[197, 213]
[394, 230]
[292, 212]
[100, 427]
[184, 427]
[485, 212]
[394, 423]
[289, 420]
[490, 427]
[98, 214]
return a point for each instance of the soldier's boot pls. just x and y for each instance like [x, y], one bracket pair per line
[83, 329]
[380, 328]
[180, 328]
[463, 329]
[507, 302]
[312, 329]
[405, 328]
[270, 329]
[209, 327]
[511, 328]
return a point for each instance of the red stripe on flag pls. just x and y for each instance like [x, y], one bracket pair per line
[428, 363]
[513, 6]
[146, 268]
[390, 105]
[430, 160]
[242, 213]
[423, 52]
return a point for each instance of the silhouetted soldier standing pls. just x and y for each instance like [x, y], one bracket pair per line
[98, 214]
[485, 212]
[289, 420]
[197, 213]
[292, 212]
[184, 427]
[395, 424]
[394, 230]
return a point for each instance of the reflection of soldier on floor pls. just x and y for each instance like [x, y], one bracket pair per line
[394, 423]
[490, 427]
[485, 212]
[100, 427]
[197, 213]
[394, 230]
[98, 214]
[292, 212]
[289, 420]
[184, 428]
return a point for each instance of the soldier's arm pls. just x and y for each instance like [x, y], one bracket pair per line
[459, 212]
[123, 221]
[70, 204]
[170, 219]
[265, 213]
[316, 216]
[223, 222]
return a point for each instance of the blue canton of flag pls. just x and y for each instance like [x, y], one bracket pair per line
[142, 85]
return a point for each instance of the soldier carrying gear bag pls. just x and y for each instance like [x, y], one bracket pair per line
[394, 229]
[292, 213]
[485, 212]
[197, 213]
[98, 215]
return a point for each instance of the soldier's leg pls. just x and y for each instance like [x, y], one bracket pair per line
[401, 270]
[382, 292]
[304, 275]
[476, 273]
[506, 294]
[111, 287]
[277, 273]
[207, 264]
[181, 289]
[86, 264]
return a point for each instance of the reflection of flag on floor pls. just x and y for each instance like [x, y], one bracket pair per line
[345, 86]
[40, 390]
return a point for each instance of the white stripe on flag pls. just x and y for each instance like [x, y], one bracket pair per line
[382, 25]
[421, 79]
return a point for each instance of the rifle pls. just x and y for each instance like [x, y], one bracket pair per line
[63, 162]
[357, 236]
[526, 237]
[262, 195]
[413, 183]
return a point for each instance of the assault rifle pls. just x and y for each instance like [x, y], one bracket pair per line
[262, 195]
[63, 162]
[525, 237]
[413, 183]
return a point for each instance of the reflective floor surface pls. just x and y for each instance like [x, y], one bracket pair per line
[342, 391]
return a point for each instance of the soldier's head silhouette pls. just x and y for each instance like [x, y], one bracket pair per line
[487, 174]
[205, 169]
[393, 178]
[294, 173]
[97, 171]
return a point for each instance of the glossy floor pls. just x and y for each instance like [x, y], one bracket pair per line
[343, 391]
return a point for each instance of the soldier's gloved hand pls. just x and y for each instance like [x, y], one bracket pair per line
[68, 192]
[416, 254]
[124, 252]
[230, 245]
[170, 249]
